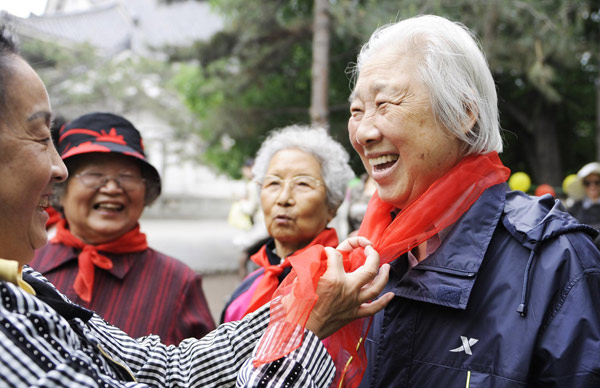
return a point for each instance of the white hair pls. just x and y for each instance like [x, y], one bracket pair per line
[330, 154]
[455, 71]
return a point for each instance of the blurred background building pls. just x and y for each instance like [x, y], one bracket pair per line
[120, 51]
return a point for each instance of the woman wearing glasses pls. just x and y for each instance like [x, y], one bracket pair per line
[99, 258]
[302, 175]
[585, 190]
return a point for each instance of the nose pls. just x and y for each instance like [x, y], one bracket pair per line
[59, 170]
[111, 185]
[366, 132]
[285, 196]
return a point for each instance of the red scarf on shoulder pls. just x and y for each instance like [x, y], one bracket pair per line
[444, 202]
[132, 241]
[269, 282]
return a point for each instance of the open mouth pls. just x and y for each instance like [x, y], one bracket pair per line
[44, 202]
[107, 206]
[383, 162]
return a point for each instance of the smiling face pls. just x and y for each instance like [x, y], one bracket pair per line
[294, 217]
[29, 163]
[591, 183]
[393, 129]
[99, 215]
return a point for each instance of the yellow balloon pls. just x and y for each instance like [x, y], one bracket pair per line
[519, 181]
[567, 181]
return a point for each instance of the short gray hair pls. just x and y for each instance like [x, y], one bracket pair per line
[332, 157]
[455, 71]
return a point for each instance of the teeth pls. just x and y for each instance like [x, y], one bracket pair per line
[383, 159]
[44, 202]
[111, 206]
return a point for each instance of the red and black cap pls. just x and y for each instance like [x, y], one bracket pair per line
[104, 132]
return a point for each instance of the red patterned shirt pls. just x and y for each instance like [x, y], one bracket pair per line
[144, 293]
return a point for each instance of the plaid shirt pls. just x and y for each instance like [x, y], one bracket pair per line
[143, 293]
[49, 341]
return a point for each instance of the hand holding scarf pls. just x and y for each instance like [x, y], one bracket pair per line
[270, 281]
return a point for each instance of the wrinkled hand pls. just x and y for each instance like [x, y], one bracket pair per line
[344, 297]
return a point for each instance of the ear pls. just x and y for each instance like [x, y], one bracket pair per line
[471, 121]
[331, 215]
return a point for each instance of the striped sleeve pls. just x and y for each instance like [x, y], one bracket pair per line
[213, 361]
[220, 358]
[307, 366]
[40, 347]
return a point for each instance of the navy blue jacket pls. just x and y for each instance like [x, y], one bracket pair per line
[511, 298]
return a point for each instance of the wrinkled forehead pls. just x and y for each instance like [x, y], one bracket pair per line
[25, 99]
[387, 70]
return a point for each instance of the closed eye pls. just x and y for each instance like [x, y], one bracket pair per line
[356, 112]
[93, 174]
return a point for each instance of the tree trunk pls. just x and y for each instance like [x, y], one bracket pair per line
[319, 111]
[547, 162]
[538, 140]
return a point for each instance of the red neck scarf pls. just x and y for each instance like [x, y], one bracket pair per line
[132, 241]
[446, 200]
[269, 282]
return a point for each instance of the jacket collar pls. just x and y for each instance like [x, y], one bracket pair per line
[122, 264]
[447, 276]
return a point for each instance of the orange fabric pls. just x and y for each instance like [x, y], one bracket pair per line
[446, 200]
[132, 241]
[269, 282]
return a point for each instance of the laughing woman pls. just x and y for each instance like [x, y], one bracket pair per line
[98, 257]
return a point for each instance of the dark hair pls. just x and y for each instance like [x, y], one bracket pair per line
[8, 49]
[58, 121]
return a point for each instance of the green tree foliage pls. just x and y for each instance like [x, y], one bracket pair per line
[254, 76]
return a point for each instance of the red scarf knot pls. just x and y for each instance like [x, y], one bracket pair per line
[270, 280]
[89, 257]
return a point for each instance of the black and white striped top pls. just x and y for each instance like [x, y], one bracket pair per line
[48, 341]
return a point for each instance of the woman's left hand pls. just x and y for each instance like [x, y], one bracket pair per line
[344, 297]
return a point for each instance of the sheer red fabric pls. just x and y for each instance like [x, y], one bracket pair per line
[270, 281]
[446, 200]
[132, 241]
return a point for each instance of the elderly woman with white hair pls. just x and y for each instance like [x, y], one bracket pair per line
[493, 288]
[302, 175]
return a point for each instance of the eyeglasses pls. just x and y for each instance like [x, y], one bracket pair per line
[588, 183]
[95, 180]
[298, 184]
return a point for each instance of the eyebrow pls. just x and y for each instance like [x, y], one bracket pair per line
[378, 86]
[44, 114]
